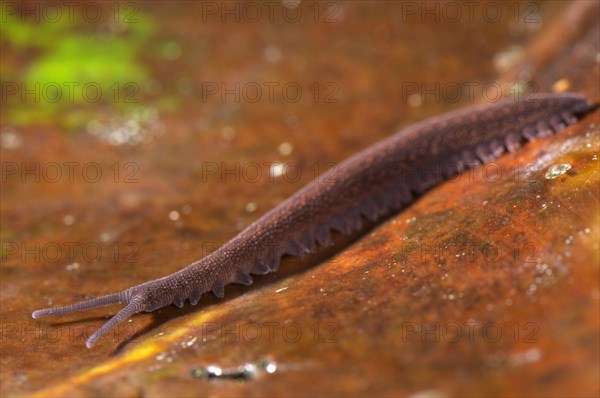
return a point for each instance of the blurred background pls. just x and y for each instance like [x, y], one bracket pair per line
[136, 137]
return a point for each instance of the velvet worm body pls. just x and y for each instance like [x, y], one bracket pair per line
[374, 182]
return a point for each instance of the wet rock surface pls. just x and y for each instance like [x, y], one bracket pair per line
[487, 285]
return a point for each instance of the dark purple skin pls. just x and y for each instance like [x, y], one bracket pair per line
[371, 184]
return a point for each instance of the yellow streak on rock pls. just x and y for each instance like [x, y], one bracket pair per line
[144, 350]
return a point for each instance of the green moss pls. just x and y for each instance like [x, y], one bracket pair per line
[86, 59]
[73, 66]
[26, 34]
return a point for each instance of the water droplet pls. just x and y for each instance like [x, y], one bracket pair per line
[72, 267]
[270, 367]
[190, 342]
[217, 371]
[161, 356]
[506, 59]
[10, 139]
[137, 127]
[541, 267]
[285, 148]
[557, 170]
[522, 358]
[272, 54]
[276, 170]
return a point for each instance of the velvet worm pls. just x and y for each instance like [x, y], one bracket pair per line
[369, 185]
